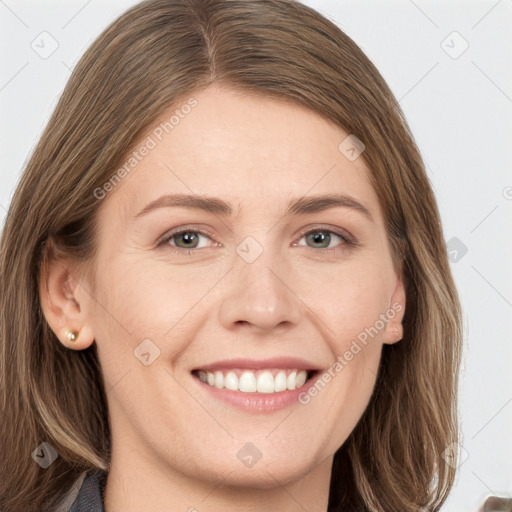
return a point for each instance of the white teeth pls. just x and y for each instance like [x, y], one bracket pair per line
[249, 381]
[280, 381]
[290, 381]
[300, 379]
[231, 381]
[219, 380]
[265, 382]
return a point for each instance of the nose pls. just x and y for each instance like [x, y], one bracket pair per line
[259, 295]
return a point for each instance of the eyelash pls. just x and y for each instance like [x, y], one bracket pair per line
[347, 241]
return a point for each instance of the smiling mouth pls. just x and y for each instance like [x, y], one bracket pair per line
[274, 380]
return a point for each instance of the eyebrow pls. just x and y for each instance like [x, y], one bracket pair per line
[217, 206]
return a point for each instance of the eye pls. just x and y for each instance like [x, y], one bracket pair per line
[189, 238]
[321, 239]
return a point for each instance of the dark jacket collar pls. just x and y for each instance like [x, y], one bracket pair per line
[89, 498]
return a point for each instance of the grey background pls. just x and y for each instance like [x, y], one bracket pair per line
[459, 106]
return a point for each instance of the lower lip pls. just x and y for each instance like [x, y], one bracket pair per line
[258, 402]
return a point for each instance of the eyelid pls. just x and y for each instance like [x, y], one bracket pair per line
[182, 229]
[342, 233]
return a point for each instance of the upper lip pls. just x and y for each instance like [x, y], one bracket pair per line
[260, 364]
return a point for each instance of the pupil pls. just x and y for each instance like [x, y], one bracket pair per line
[187, 236]
[319, 237]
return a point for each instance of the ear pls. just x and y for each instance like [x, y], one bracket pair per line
[394, 330]
[65, 302]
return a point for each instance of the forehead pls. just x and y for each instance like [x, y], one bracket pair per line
[250, 150]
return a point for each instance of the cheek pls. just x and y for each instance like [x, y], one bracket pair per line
[348, 309]
[348, 301]
[139, 300]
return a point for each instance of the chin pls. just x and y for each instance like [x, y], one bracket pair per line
[265, 473]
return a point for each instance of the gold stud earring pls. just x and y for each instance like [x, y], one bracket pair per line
[71, 336]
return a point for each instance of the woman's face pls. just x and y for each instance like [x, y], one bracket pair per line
[266, 280]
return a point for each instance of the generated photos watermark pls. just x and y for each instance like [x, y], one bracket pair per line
[355, 348]
[150, 143]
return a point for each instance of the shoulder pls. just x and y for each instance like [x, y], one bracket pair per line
[85, 495]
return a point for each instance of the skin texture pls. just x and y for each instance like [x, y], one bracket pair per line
[174, 446]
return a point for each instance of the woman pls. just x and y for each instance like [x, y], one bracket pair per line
[251, 367]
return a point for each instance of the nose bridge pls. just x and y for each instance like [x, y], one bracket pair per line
[257, 291]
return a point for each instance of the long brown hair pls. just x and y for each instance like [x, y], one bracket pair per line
[152, 57]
